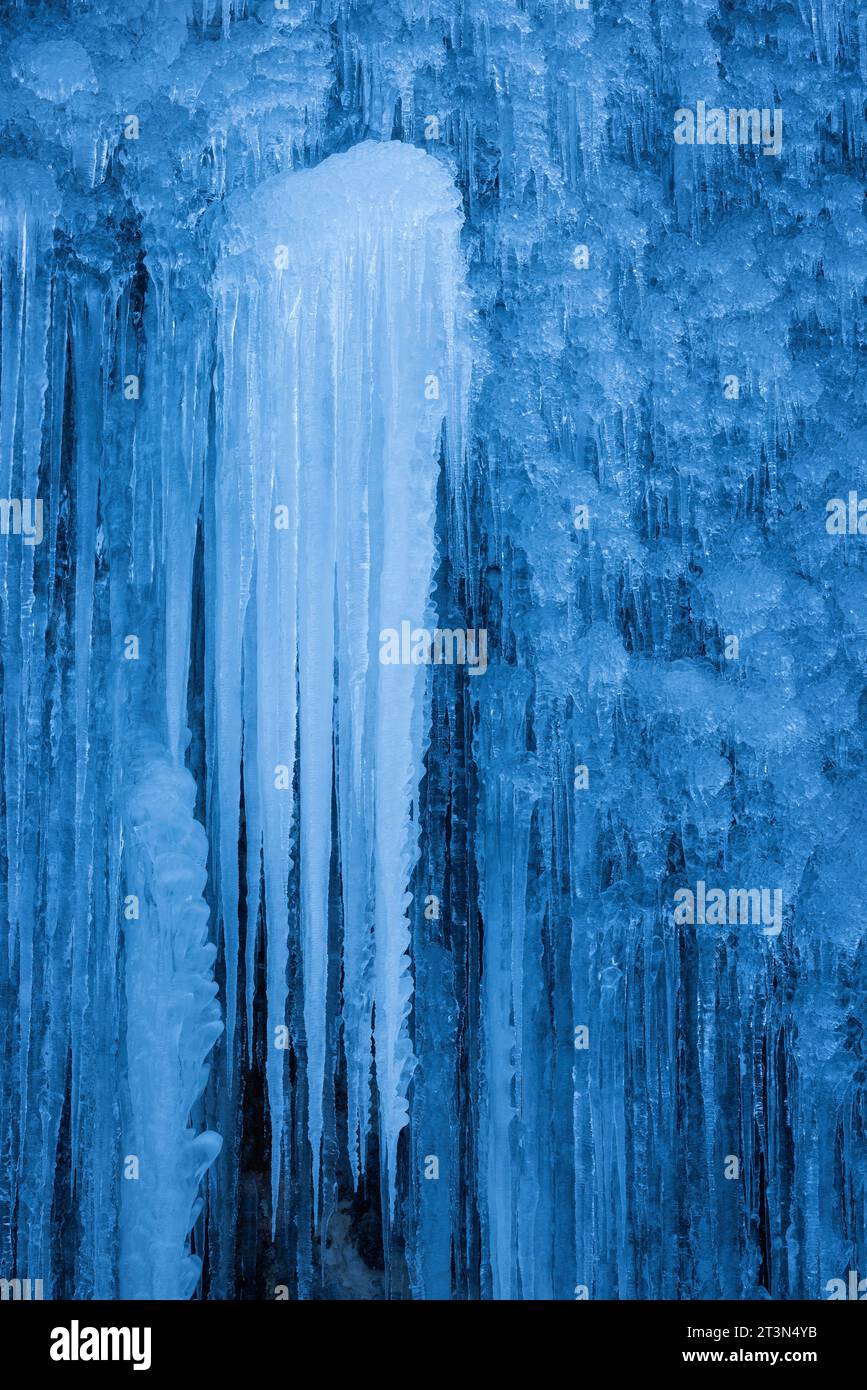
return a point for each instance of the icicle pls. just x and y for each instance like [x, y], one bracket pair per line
[28, 207]
[173, 1021]
[337, 295]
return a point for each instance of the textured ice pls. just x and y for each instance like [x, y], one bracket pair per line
[329, 977]
[324, 516]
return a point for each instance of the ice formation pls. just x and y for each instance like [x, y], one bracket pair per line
[340, 977]
[324, 502]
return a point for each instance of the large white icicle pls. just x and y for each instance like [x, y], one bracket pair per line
[173, 1021]
[337, 297]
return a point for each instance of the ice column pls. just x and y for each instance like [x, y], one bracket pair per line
[173, 1021]
[338, 296]
[31, 1064]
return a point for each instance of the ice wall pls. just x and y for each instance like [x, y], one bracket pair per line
[229, 265]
